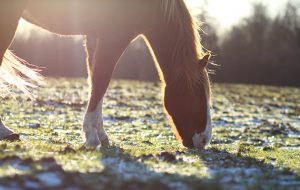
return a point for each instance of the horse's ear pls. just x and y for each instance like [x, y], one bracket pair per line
[204, 61]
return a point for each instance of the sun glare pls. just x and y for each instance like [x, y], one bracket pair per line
[24, 29]
[194, 5]
[225, 12]
[228, 12]
[22, 23]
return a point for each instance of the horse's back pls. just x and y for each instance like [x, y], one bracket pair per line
[83, 16]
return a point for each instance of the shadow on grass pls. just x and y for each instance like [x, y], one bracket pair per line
[241, 171]
[121, 171]
[125, 171]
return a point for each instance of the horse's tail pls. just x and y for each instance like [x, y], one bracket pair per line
[14, 72]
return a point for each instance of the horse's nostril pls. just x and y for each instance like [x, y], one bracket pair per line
[188, 143]
[197, 140]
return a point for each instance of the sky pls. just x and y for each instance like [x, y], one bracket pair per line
[230, 12]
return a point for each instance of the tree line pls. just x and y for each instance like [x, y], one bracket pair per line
[259, 50]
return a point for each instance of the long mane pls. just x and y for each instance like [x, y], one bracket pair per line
[188, 49]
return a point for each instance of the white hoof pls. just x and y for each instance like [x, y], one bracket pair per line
[93, 128]
[105, 142]
[91, 138]
[103, 137]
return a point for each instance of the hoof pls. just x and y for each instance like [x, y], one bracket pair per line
[12, 137]
[92, 143]
[105, 142]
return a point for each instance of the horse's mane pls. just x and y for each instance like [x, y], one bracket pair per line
[188, 49]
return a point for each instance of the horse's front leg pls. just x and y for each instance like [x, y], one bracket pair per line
[93, 122]
[109, 48]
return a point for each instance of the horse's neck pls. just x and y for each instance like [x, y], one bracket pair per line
[171, 57]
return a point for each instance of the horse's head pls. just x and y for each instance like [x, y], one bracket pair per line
[189, 109]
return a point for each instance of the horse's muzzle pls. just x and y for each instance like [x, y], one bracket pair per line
[199, 141]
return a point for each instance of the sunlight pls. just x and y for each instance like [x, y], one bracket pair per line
[228, 12]
[24, 29]
[23, 23]
[193, 3]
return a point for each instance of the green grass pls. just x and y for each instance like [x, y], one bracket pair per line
[255, 145]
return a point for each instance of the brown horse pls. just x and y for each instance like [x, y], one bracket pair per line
[109, 26]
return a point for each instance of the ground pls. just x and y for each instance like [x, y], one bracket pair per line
[256, 140]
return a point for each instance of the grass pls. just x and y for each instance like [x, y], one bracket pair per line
[255, 144]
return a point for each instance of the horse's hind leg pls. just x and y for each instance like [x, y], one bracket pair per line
[109, 48]
[6, 133]
[10, 13]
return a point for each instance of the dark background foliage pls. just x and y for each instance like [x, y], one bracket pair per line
[260, 50]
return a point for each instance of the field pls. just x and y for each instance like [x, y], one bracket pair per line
[256, 140]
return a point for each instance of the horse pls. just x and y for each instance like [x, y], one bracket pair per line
[172, 37]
